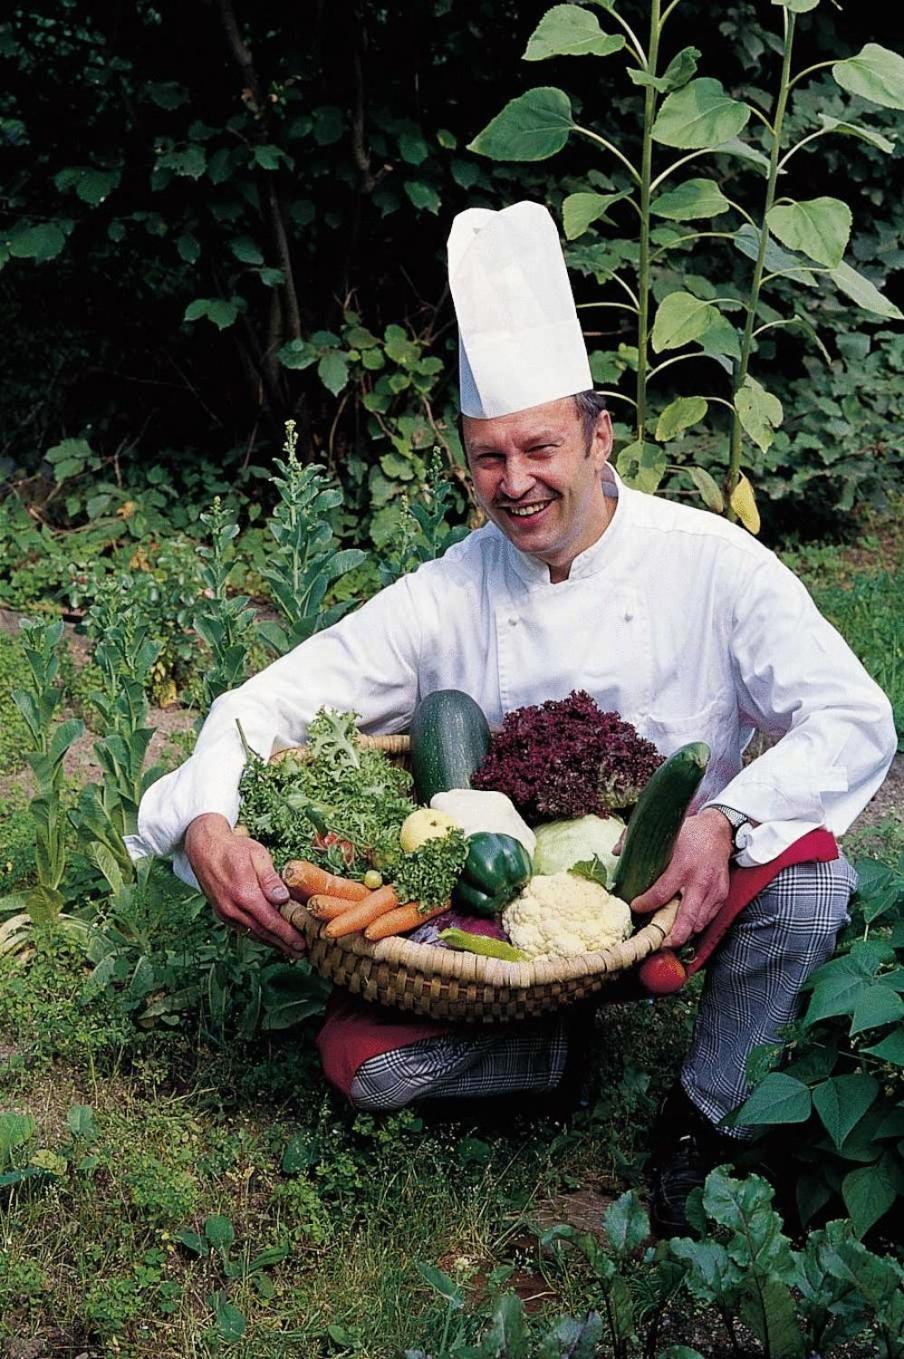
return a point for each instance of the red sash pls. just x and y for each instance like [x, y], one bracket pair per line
[354, 1031]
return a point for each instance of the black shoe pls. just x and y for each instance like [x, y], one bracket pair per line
[686, 1147]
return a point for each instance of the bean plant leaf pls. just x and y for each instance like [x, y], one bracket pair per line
[891, 1049]
[581, 210]
[777, 1099]
[679, 415]
[876, 1006]
[680, 318]
[869, 1192]
[216, 309]
[570, 31]
[532, 127]
[818, 227]
[700, 115]
[760, 412]
[860, 290]
[642, 466]
[864, 134]
[678, 72]
[874, 73]
[842, 1101]
[693, 198]
[707, 489]
[743, 502]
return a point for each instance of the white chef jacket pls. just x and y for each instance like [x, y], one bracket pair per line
[677, 620]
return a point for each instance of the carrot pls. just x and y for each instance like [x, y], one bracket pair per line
[363, 913]
[324, 907]
[305, 880]
[401, 920]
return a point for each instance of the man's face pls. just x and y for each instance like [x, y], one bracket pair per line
[536, 480]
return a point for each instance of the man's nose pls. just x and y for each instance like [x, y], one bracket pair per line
[517, 480]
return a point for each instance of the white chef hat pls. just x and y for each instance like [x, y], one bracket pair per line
[519, 337]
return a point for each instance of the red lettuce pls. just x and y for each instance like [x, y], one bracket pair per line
[567, 758]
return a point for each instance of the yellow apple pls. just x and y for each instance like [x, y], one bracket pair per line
[424, 824]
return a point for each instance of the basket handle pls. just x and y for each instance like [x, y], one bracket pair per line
[664, 919]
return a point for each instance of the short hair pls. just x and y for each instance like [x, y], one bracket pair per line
[589, 406]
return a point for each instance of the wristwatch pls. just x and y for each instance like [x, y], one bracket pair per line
[734, 818]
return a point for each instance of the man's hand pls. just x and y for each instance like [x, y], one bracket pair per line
[238, 879]
[698, 871]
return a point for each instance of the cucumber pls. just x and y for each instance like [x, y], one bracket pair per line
[449, 739]
[656, 820]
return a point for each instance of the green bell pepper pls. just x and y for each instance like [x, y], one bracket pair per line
[496, 869]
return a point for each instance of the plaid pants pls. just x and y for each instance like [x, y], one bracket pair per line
[752, 991]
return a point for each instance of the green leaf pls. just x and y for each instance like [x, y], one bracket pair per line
[333, 371]
[91, 186]
[188, 248]
[329, 124]
[891, 1049]
[693, 198]
[191, 1240]
[219, 1231]
[678, 72]
[747, 240]
[875, 1007]
[301, 1151]
[570, 31]
[818, 227]
[580, 210]
[680, 318]
[768, 1308]
[864, 134]
[465, 173]
[679, 415]
[642, 466]
[215, 309]
[864, 293]
[707, 489]
[15, 1130]
[167, 94]
[423, 196]
[441, 1283]
[699, 115]
[744, 151]
[842, 1101]
[246, 250]
[868, 1193]
[270, 157]
[297, 354]
[627, 1223]
[760, 412]
[874, 73]
[44, 904]
[797, 6]
[777, 1099]
[358, 337]
[38, 243]
[229, 1321]
[81, 1122]
[189, 163]
[508, 1333]
[532, 127]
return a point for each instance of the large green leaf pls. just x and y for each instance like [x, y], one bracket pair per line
[15, 1130]
[216, 309]
[864, 293]
[38, 243]
[875, 73]
[246, 250]
[642, 466]
[581, 210]
[777, 1099]
[760, 412]
[693, 198]
[767, 1307]
[842, 1101]
[864, 134]
[570, 31]
[678, 72]
[532, 127]
[679, 415]
[875, 1007]
[701, 114]
[627, 1223]
[707, 489]
[680, 318]
[818, 227]
[869, 1192]
[891, 1049]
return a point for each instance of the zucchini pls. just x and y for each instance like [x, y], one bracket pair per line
[656, 820]
[449, 739]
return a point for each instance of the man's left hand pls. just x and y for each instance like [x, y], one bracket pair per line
[698, 872]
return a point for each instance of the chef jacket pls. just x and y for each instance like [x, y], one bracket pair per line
[675, 619]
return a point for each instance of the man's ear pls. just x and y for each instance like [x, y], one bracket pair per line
[602, 437]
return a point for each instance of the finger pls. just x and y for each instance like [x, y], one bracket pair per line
[662, 891]
[268, 924]
[694, 914]
[271, 884]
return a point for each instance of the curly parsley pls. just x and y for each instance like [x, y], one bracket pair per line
[428, 874]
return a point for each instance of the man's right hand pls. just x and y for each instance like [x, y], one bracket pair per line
[238, 879]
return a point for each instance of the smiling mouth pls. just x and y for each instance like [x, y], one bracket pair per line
[527, 511]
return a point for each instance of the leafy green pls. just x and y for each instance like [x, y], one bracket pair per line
[428, 874]
[354, 791]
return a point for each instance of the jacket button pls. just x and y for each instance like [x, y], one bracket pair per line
[513, 622]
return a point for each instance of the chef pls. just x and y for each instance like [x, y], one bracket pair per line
[679, 621]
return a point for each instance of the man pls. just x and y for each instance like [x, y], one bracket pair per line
[676, 619]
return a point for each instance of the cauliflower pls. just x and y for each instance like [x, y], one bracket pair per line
[559, 915]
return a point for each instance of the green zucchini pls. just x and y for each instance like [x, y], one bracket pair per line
[656, 820]
[449, 739]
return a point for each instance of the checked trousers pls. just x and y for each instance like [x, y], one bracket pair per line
[752, 991]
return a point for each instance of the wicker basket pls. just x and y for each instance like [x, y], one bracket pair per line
[463, 987]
